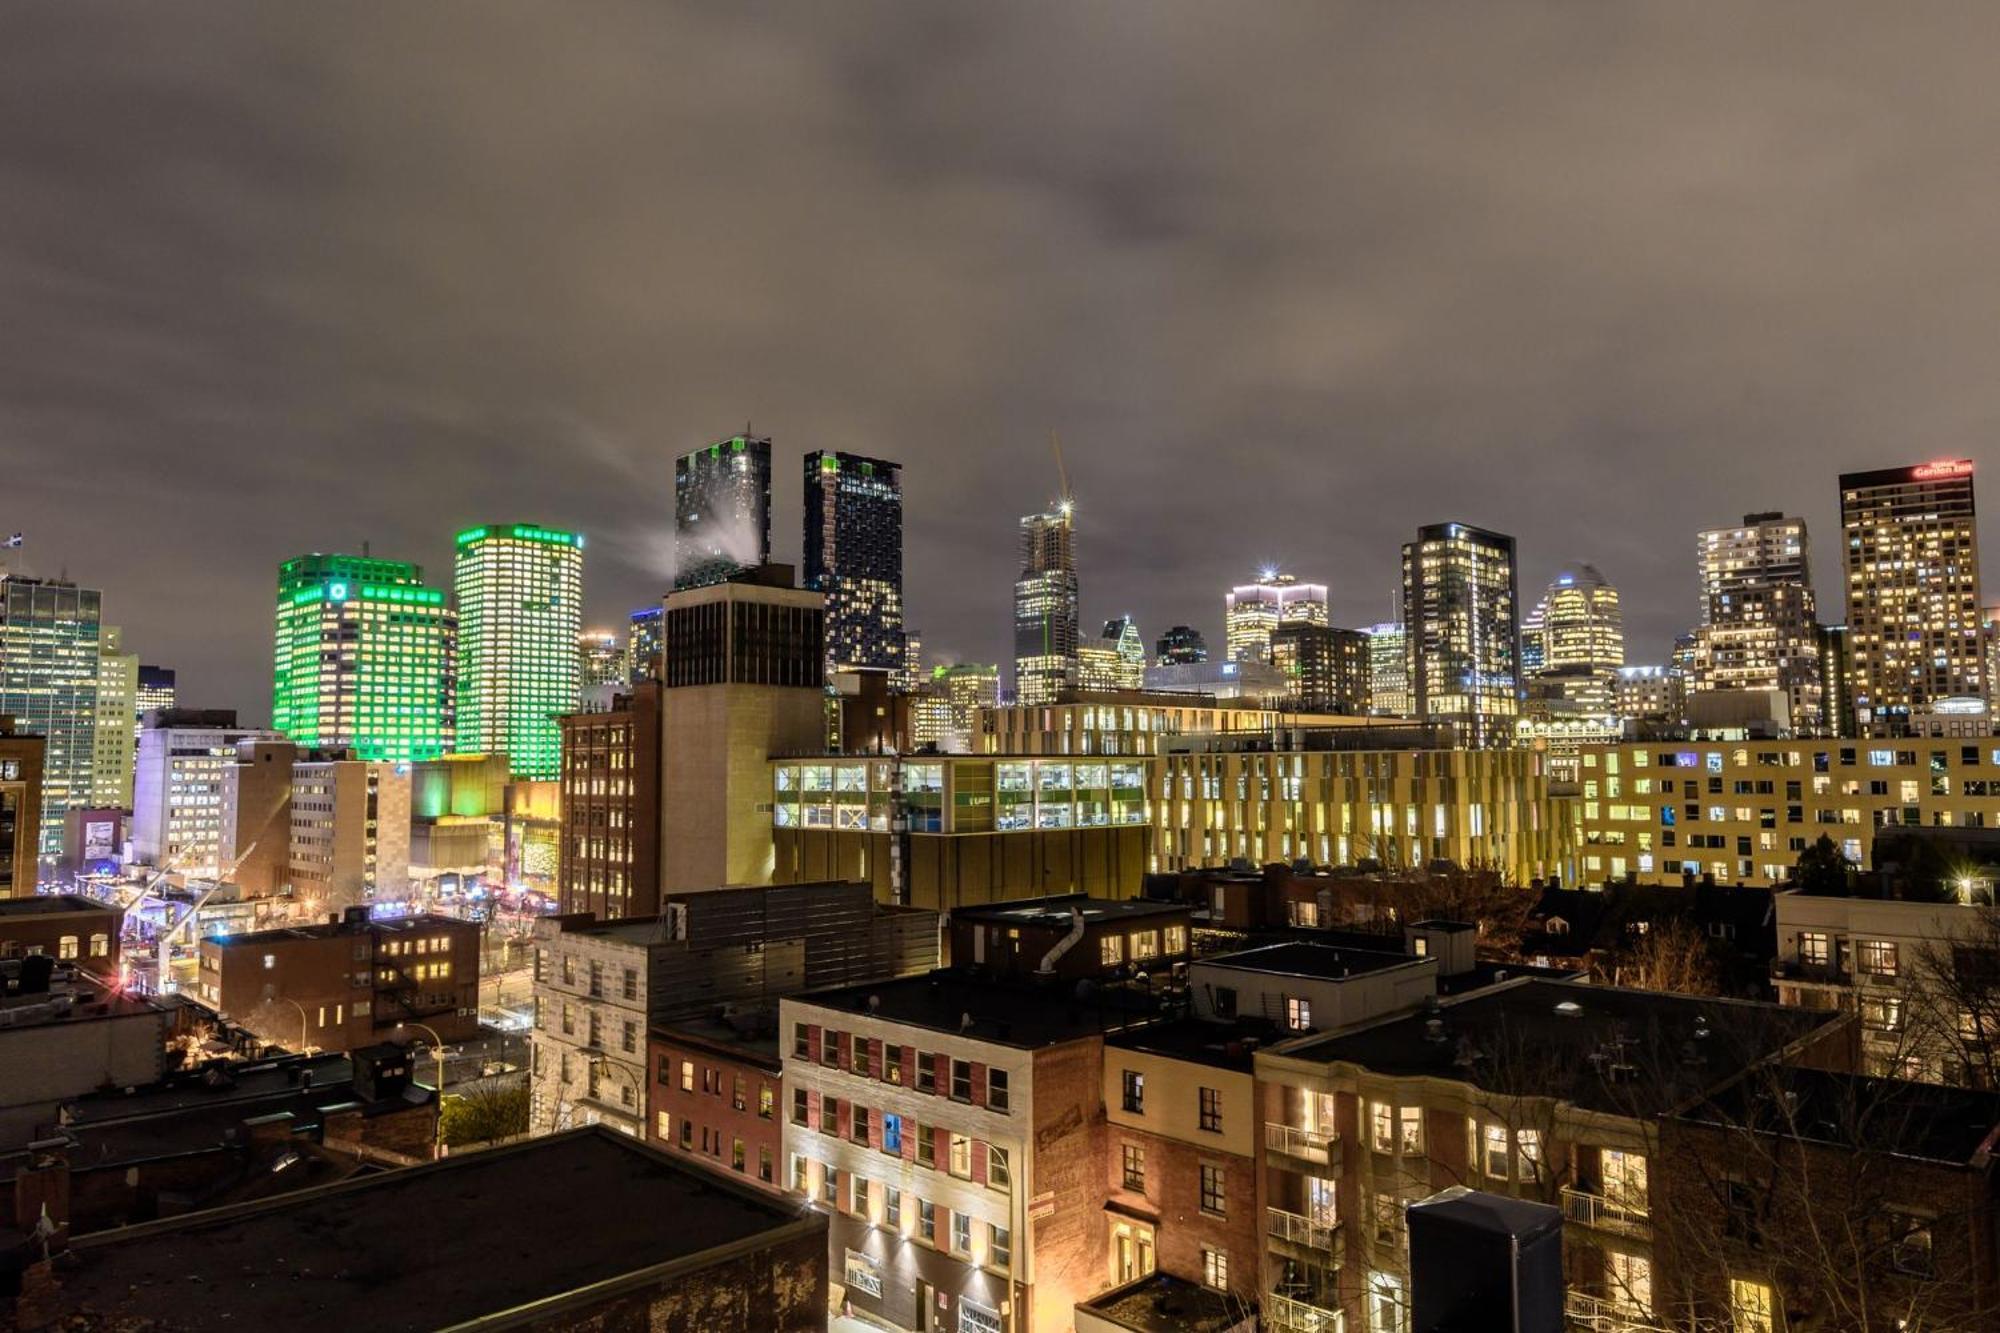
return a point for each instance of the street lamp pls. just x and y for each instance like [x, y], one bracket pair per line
[437, 1051]
[302, 1021]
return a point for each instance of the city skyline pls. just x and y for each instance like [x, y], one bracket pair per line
[1528, 364]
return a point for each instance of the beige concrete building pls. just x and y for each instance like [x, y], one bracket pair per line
[349, 832]
[1743, 810]
[745, 668]
[1130, 722]
[113, 752]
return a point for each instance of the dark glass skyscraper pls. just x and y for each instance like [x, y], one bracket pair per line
[1045, 608]
[854, 555]
[1461, 605]
[722, 510]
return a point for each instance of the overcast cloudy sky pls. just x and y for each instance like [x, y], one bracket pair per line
[1290, 280]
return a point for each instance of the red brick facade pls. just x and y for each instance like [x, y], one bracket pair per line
[720, 1105]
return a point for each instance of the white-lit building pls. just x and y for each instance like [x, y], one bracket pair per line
[185, 760]
[1253, 610]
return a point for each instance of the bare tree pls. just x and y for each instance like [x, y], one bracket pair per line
[1673, 955]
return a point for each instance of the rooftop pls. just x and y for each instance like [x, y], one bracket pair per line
[54, 904]
[1220, 1045]
[321, 930]
[754, 1042]
[1162, 1303]
[1604, 1048]
[1922, 1120]
[1326, 962]
[1055, 910]
[1026, 1015]
[323, 1261]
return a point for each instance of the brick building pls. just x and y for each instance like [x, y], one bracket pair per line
[1072, 936]
[66, 927]
[21, 759]
[717, 1093]
[646, 1243]
[347, 983]
[947, 1127]
[609, 863]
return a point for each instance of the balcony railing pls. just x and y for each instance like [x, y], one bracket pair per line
[1300, 1230]
[1594, 1314]
[1595, 1210]
[1305, 1145]
[1296, 1316]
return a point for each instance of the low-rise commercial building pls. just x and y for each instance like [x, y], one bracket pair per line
[349, 983]
[717, 1090]
[65, 1034]
[66, 927]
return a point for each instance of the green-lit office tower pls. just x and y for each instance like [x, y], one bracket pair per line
[50, 646]
[854, 554]
[363, 658]
[519, 589]
[722, 510]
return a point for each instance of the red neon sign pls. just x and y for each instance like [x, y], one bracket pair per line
[1932, 471]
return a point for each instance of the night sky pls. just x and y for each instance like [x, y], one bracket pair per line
[1289, 280]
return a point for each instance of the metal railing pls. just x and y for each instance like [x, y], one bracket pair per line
[1595, 1210]
[1596, 1314]
[1296, 1316]
[1297, 1229]
[1309, 1145]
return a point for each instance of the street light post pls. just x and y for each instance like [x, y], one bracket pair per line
[437, 1051]
[302, 1021]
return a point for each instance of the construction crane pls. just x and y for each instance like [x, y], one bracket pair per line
[1068, 501]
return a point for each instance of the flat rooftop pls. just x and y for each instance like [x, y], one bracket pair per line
[248, 1082]
[1604, 1048]
[322, 930]
[334, 1259]
[1220, 1045]
[54, 904]
[1055, 910]
[1022, 1014]
[1162, 1303]
[1325, 962]
[1920, 1120]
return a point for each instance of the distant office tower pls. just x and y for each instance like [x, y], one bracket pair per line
[1461, 607]
[854, 556]
[186, 759]
[1577, 623]
[519, 589]
[51, 642]
[913, 660]
[156, 690]
[722, 510]
[1837, 716]
[645, 644]
[1913, 607]
[1758, 629]
[1114, 660]
[969, 686]
[1252, 611]
[1647, 694]
[1328, 670]
[601, 659]
[114, 744]
[1388, 671]
[1046, 633]
[363, 658]
[1180, 646]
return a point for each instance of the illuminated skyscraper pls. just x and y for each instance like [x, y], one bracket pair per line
[1758, 628]
[114, 746]
[1913, 607]
[362, 658]
[51, 643]
[1327, 669]
[1575, 638]
[1461, 609]
[722, 510]
[644, 645]
[519, 589]
[601, 659]
[1388, 671]
[854, 555]
[1115, 660]
[1045, 608]
[156, 690]
[1252, 611]
[1180, 646]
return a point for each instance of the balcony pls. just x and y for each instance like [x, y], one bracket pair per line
[1287, 1315]
[1810, 973]
[1586, 1313]
[1318, 1239]
[1300, 1147]
[1602, 1214]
